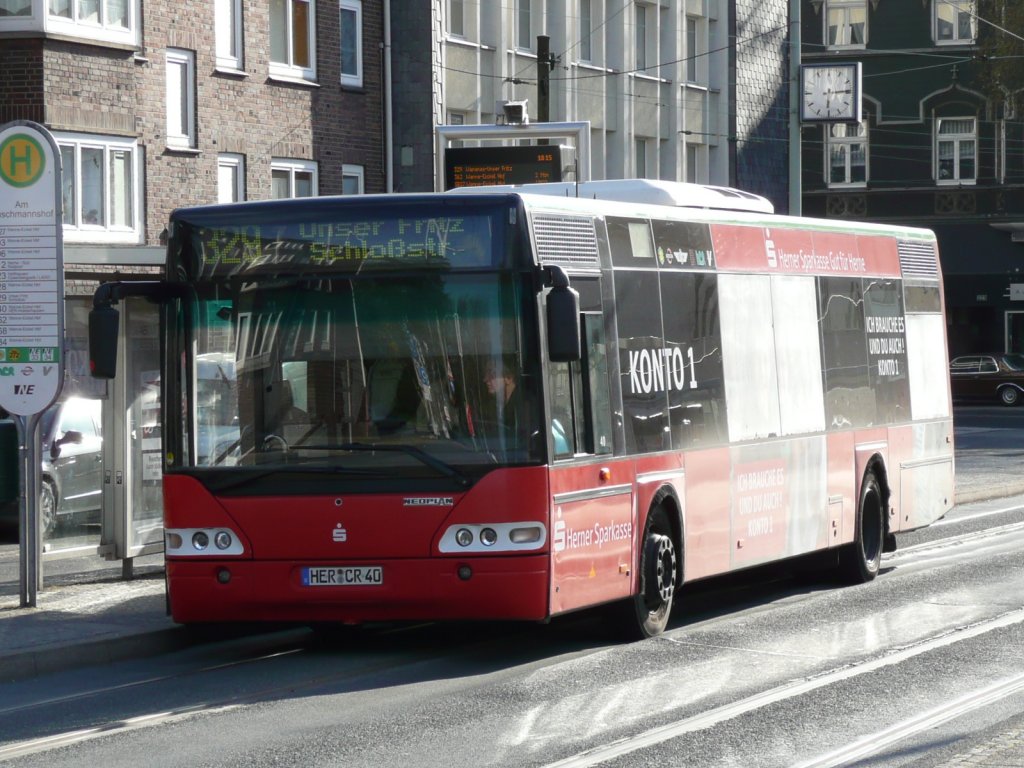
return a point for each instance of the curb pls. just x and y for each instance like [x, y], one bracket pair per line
[44, 661]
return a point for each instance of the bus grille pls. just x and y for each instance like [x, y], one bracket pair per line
[568, 241]
[917, 259]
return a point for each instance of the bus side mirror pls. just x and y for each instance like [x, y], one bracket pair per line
[563, 314]
[103, 323]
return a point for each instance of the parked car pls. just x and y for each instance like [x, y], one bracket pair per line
[988, 377]
[72, 462]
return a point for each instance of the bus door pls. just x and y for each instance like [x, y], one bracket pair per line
[592, 509]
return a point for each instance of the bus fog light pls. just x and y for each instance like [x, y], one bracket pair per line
[488, 536]
[173, 541]
[222, 540]
[529, 535]
[465, 572]
[464, 537]
[200, 540]
[223, 575]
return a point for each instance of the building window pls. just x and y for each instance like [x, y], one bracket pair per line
[181, 98]
[352, 43]
[523, 37]
[230, 178]
[352, 180]
[846, 23]
[99, 188]
[586, 26]
[641, 158]
[641, 38]
[292, 178]
[955, 21]
[847, 154]
[108, 20]
[956, 140]
[291, 39]
[10, 8]
[228, 20]
[456, 18]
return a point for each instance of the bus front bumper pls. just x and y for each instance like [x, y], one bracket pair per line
[217, 590]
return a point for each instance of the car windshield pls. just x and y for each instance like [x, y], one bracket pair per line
[414, 375]
[1014, 361]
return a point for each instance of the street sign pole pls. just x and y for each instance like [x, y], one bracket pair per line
[31, 311]
[30, 540]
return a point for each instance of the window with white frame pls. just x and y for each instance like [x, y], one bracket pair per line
[691, 49]
[100, 189]
[956, 142]
[352, 43]
[640, 40]
[228, 28]
[955, 21]
[230, 177]
[846, 23]
[292, 178]
[181, 98]
[524, 39]
[292, 47]
[586, 27]
[352, 180]
[456, 18]
[846, 150]
[15, 8]
[108, 20]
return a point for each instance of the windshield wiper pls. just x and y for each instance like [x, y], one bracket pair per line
[434, 463]
[252, 476]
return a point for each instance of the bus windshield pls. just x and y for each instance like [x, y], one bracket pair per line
[391, 374]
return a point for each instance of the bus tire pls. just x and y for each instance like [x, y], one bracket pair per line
[651, 607]
[859, 562]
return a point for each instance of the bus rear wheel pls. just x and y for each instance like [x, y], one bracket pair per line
[652, 604]
[859, 562]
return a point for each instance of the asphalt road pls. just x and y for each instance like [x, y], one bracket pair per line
[774, 668]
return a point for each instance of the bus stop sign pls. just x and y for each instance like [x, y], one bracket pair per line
[31, 269]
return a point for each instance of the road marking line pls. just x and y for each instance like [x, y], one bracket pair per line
[874, 743]
[726, 712]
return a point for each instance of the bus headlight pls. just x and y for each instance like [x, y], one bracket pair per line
[195, 542]
[493, 537]
[526, 535]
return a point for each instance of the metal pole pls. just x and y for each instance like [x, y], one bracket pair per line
[795, 161]
[31, 571]
[543, 82]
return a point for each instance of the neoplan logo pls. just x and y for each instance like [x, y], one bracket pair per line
[22, 160]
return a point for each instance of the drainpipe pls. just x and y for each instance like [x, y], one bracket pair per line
[388, 149]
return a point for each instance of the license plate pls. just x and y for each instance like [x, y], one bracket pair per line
[349, 576]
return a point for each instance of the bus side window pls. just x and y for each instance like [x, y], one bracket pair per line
[581, 419]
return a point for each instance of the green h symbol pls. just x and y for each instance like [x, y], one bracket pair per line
[25, 159]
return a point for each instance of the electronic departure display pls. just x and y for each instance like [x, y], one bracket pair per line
[479, 166]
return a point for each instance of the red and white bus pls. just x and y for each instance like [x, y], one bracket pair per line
[507, 405]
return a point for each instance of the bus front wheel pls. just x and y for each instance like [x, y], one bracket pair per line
[652, 604]
[859, 562]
